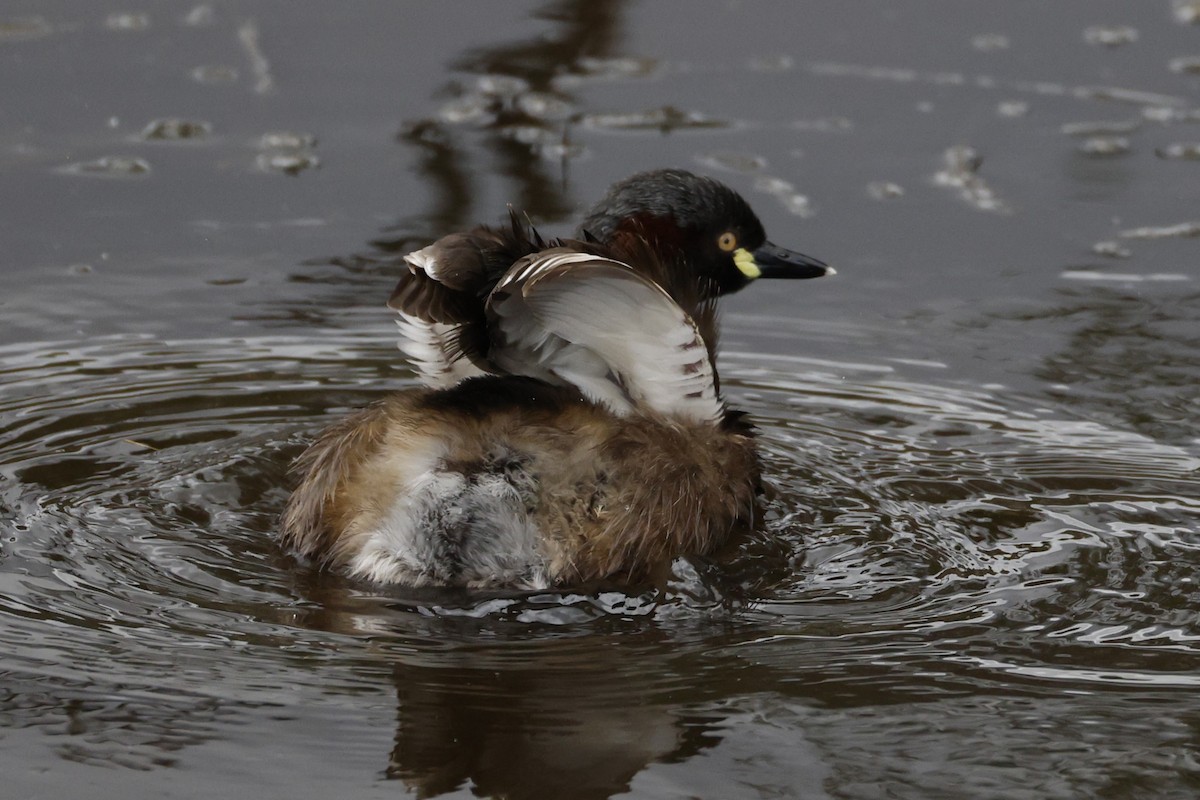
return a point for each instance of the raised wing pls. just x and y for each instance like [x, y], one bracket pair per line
[595, 323]
[440, 299]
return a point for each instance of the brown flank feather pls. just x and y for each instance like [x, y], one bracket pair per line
[614, 496]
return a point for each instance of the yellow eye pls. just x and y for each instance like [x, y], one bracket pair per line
[727, 241]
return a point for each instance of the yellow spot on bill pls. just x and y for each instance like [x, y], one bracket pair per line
[746, 263]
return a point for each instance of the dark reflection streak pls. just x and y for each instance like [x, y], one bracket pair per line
[443, 166]
[539, 195]
[547, 728]
[520, 710]
[588, 29]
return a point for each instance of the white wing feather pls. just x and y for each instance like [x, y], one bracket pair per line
[595, 323]
[431, 350]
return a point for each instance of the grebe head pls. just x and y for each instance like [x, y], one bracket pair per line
[700, 222]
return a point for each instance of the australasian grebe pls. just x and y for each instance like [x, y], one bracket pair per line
[572, 427]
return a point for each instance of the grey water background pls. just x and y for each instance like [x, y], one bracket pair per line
[978, 575]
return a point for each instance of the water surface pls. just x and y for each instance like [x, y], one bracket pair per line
[978, 575]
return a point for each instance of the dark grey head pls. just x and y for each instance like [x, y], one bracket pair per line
[704, 222]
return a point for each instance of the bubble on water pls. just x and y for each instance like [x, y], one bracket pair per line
[503, 86]
[616, 67]
[560, 150]
[1012, 108]
[173, 129]
[733, 162]
[895, 74]
[590, 70]
[260, 66]
[127, 22]
[542, 105]
[1187, 11]
[214, 74]
[1182, 230]
[21, 29]
[1088, 129]
[1189, 65]
[824, 125]
[470, 109]
[1134, 97]
[948, 79]
[990, 42]
[200, 17]
[665, 119]
[1180, 151]
[549, 144]
[795, 202]
[109, 167]
[425, 132]
[1167, 115]
[1046, 88]
[962, 160]
[1093, 275]
[961, 165]
[884, 190]
[287, 163]
[1110, 36]
[1104, 146]
[779, 63]
[1111, 249]
[286, 139]
[286, 152]
[526, 134]
[1114, 94]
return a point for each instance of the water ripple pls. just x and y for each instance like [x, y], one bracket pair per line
[936, 529]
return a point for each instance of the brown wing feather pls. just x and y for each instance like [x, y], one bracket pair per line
[441, 294]
[448, 280]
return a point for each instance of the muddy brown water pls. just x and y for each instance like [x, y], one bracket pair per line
[980, 571]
